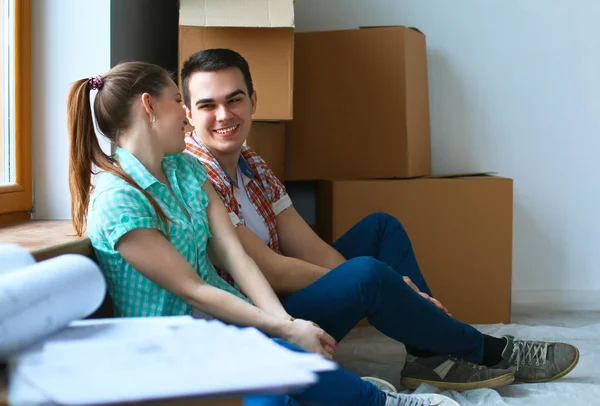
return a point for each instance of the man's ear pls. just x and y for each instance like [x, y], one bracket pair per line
[253, 99]
[188, 115]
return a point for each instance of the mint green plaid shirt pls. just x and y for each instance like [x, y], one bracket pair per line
[116, 208]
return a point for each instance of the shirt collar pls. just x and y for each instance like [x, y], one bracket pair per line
[244, 167]
[134, 168]
[242, 163]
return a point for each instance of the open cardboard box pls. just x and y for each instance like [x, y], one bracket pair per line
[262, 31]
[460, 226]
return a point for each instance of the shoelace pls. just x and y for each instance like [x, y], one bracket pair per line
[470, 364]
[529, 352]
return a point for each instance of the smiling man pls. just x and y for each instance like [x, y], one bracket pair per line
[371, 271]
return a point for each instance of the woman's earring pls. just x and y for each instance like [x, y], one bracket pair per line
[153, 121]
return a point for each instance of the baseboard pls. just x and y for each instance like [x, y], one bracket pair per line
[561, 300]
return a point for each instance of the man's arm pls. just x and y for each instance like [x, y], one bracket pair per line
[286, 275]
[305, 258]
[298, 240]
[226, 252]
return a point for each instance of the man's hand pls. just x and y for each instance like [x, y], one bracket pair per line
[426, 296]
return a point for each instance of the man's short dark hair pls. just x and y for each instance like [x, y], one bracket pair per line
[213, 60]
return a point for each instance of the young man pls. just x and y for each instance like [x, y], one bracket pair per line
[371, 271]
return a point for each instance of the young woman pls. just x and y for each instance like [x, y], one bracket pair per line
[157, 226]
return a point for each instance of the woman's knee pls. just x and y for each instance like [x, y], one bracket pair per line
[268, 400]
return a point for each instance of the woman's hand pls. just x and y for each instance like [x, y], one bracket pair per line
[436, 302]
[311, 337]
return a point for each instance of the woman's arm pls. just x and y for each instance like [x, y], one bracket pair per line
[226, 252]
[149, 252]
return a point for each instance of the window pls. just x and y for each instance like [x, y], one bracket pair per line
[15, 111]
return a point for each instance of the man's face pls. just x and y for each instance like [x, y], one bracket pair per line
[221, 109]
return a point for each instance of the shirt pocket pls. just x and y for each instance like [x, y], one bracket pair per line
[197, 207]
[181, 235]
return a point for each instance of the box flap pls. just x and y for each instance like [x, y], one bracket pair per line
[367, 27]
[237, 13]
[461, 175]
[466, 175]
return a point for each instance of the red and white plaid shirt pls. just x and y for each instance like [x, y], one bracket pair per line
[266, 193]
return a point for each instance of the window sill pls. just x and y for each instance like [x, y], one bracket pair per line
[46, 238]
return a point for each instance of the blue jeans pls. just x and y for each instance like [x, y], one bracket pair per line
[338, 387]
[370, 284]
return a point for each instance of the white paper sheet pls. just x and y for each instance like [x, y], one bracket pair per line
[134, 359]
[14, 257]
[55, 358]
[42, 298]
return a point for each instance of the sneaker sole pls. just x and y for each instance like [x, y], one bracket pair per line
[494, 383]
[380, 383]
[563, 373]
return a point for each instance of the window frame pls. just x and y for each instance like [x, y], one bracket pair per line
[16, 199]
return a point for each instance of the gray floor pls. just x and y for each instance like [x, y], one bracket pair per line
[539, 317]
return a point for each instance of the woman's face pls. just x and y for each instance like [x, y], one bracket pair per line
[170, 119]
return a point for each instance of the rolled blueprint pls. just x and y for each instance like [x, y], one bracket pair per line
[42, 298]
[14, 257]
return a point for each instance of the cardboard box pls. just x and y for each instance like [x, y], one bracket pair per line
[261, 31]
[361, 105]
[460, 228]
[268, 139]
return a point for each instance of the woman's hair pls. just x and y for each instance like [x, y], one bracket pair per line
[117, 91]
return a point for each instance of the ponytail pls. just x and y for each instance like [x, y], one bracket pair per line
[83, 146]
[85, 151]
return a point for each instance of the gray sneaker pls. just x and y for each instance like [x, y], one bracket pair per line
[538, 361]
[449, 373]
[422, 399]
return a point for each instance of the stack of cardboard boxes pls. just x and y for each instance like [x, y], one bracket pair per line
[263, 32]
[361, 127]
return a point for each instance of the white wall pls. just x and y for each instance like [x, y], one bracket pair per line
[70, 41]
[514, 88]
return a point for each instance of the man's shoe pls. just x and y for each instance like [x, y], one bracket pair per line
[449, 373]
[538, 361]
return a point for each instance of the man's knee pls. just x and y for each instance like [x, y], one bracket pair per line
[367, 269]
[384, 218]
[387, 221]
